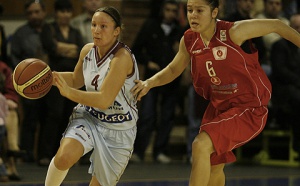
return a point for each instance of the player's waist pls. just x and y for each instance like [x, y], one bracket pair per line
[111, 118]
[108, 122]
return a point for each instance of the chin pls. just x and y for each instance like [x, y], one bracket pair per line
[194, 29]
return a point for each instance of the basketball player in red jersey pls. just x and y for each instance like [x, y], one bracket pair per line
[233, 81]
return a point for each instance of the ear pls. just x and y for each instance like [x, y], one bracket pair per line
[117, 31]
[214, 13]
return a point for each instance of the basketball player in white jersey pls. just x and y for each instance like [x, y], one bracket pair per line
[105, 119]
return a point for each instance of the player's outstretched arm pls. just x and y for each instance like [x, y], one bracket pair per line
[252, 28]
[166, 75]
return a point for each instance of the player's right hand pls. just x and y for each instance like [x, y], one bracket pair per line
[61, 84]
[140, 89]
[53, 82]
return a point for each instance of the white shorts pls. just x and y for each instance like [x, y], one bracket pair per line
[112, 149]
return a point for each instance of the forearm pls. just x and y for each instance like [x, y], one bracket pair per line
[92, 99]
[68, 77]
[252, 28]
[163, 77]
[286, 32]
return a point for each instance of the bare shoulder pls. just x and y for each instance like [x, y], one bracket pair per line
[123, 53]
[182, 43]
[182, 48]
[86, 48]
[123, 56]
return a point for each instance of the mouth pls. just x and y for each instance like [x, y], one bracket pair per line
[194, 24]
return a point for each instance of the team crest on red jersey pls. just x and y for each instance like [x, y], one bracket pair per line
[215, 80]
[220, 52]
[223, 35]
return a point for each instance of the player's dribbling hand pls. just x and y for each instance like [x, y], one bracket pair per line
[53, 82]
[140, 89]
[61, 84]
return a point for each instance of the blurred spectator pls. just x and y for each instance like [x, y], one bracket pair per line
[285, 79]
[3, 54]
[221, 13]
[63, 43]
[290, 7]
[25, 41]
[3, 172]
[82, 22]
[243, 11]
[3, 114]
[272, 10]
[3, 42]
[12, 119]
[12, 123]
[154, 47]
[229, 6]
[155, 7]
[26, 44]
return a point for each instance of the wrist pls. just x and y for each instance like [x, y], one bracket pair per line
[150, 83]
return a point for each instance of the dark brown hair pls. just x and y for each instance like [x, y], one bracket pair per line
[112, 12]
[30, 2]
[213, 3]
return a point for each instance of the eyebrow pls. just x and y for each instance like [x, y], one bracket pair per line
[200, 6]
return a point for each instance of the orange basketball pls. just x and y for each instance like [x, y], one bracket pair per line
[32, 78]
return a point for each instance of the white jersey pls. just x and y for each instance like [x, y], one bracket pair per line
[122, 114]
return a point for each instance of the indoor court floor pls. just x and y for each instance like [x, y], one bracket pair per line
[174, 174]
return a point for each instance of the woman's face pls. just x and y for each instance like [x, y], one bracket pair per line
[103, 29]
[199, 15]
[63, 17]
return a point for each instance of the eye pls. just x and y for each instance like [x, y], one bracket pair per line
[199, 10]
[103, 26]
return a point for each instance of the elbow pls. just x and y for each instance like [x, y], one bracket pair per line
[175, 73]
[102, 101]
[279, 24]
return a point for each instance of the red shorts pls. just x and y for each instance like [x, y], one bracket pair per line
[231, 129]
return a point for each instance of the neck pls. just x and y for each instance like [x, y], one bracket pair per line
[36, 27]
[208, 33]
[104, 49]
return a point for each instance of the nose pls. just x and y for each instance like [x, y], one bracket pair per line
[97, 29]
[194, 14]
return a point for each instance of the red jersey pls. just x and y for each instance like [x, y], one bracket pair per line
[223, 73]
